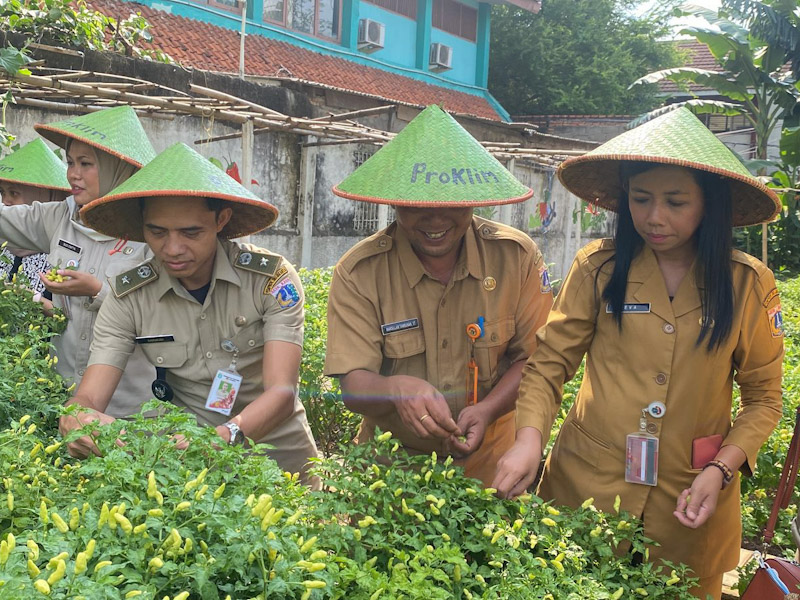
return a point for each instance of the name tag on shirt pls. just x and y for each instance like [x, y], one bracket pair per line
[643, 307]
[70, 246]
[153, 339]
[388, 328]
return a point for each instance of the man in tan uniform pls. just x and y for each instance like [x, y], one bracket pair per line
[224, 319]
[401, 301]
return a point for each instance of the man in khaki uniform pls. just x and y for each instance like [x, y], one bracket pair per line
[401, 300]
[210, 311]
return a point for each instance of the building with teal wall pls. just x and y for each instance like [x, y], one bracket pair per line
[440, 42]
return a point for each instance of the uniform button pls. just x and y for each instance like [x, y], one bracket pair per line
[83, 336]
[494, 337]
[86, 305]
[81, 372]
[91, 271]
[661, 379]
[160, 359]
[251, 343]
[486, 231]
[208, 355]
[447, 387]
[444, 343]
[668, 328]
[382, 243]
[651, 428]
[203, 316]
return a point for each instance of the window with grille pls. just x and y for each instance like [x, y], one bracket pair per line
[456, 18]
[369, 217]
[407, 8]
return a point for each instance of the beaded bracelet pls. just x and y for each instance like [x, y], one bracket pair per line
[727, 474]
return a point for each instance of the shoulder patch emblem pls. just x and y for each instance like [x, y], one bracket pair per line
[281, 272]
[775, 321]
[285, 294]
[124, 283]
[773, 293]
[258, 262]
[546, 288]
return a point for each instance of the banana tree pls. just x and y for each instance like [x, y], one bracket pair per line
[751, 79]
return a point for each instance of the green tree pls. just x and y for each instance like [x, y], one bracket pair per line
[575, 57]
[774, 21]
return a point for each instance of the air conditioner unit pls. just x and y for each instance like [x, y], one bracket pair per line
[370, 35]
[441, 57]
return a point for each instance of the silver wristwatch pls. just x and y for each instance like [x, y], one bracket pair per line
[237, 436]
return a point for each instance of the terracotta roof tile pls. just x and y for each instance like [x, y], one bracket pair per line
[698, 56]
[209, 47]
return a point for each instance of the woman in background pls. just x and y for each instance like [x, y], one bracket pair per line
[103, 150]
[31, 174]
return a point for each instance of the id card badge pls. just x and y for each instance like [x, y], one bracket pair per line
[223, 392]
[641, 459]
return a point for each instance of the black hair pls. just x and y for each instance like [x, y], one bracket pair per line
[215, 205]
[714, 239]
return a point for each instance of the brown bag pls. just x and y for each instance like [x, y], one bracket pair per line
[778, 577]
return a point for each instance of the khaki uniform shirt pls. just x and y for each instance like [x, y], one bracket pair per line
[239, 308]
[655, 358]
[51, 227]
[388, 316]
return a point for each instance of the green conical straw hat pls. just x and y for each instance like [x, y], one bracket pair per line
[114, 130]
[36, 165]
[177, 171]
[675, 138]
[433, 161]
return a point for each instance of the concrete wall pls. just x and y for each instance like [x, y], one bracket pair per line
[316, 227]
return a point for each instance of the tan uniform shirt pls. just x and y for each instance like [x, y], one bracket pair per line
[239, 308]
[388, 316]
[50, 227]
[654, 358]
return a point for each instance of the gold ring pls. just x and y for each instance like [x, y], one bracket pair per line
[423, 417]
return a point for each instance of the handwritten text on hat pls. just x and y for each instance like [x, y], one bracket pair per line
[455, 176]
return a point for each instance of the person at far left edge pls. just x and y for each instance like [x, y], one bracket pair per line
[224, 319]
[102, 149]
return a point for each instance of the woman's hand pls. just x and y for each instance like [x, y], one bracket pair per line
[697, 503]
[517, 468]
[76, 283]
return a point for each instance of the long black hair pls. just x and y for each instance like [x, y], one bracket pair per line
[714, 246]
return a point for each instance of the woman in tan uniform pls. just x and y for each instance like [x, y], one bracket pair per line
[667, 315]
[103, 150]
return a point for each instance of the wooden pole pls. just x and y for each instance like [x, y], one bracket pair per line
[354, 114]
[241, 39]
[247, 154]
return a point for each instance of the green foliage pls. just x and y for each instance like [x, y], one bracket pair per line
[224, 523]
[749, 75]
[331, 423]
[419, 529]
[774, 21]
[28, 384]
[147, 519]
[74, 24]
[758, 491]
[575, 57]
